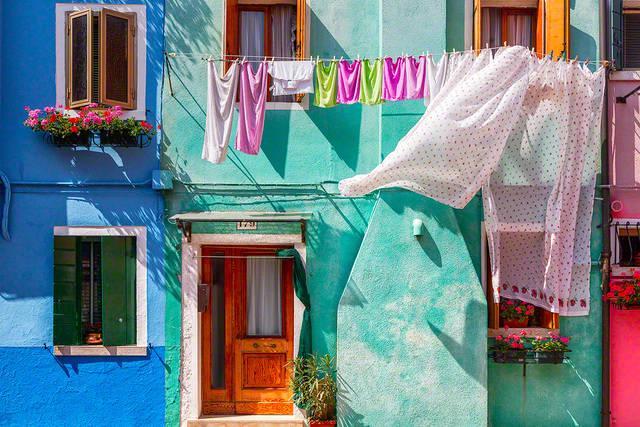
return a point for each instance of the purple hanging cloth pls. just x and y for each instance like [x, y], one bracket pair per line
[253, 97]
[348, 82]
[393, 80]
[416, 77]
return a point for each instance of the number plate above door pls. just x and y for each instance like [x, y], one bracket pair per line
[246, 225]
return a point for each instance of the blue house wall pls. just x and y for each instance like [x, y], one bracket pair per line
[36, 387]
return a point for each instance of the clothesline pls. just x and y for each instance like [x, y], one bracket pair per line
[254, 58]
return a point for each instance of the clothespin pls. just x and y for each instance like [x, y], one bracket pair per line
[504, 44]
[574, 59]
[341, 58]
[586, 62]
[358, 57]
[334, 57]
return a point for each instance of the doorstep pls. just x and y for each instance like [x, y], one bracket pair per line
[247, 421]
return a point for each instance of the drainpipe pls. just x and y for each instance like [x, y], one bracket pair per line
[605, 257]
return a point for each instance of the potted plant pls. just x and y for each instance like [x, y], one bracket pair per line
[63, 129]
[550, 349]
[314, 388]
[625, 294]
[510, 348]
[515, 313]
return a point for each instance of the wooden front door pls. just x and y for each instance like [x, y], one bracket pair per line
[247, 331]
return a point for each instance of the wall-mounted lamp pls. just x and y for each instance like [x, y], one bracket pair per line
[418, 228]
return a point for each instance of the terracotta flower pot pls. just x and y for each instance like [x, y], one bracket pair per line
[512, 323]
[322, 423]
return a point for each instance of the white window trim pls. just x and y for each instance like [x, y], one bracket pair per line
[140, 349]
[190, 361]
[141, 51]
[303, 105]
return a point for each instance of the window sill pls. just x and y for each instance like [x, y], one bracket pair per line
[99, 350]
[531, 332]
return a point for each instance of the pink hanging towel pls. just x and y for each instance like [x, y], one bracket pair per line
[348, 82]
[393, 80]
[253, 97]
[416, 77]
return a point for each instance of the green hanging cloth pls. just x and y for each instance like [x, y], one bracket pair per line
[371, 82]
[326, 88]
[300, 286]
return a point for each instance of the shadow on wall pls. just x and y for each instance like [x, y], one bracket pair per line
[348, 416]
[340, 125]
[462, 351]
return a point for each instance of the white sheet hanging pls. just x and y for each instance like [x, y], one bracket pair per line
[291, 77]
[221, 96]
[528, 131]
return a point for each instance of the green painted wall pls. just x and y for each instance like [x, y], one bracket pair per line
[443, 372]
[412, 322]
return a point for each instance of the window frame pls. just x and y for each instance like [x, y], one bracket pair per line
[493, 307]
[140, 49]
[231, 38]
[140, 348]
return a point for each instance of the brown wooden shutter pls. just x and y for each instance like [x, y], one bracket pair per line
[117, 58]
[79, 59]
[553, 27]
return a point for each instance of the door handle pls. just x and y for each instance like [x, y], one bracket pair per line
[258, 345]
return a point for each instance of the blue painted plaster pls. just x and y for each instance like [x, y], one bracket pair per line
[37, 388]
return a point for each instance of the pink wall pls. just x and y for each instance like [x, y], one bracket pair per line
[624, 147]
[625, 367]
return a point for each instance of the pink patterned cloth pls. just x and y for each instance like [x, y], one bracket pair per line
[394, 79]
[253, 98]
[416, 77]
[348, 82]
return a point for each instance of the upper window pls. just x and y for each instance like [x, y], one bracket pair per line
[266, 29]
[538, 24]
[100, 59]
[101, 56]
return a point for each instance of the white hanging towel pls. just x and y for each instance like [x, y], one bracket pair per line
[221, 96]
[291, 77]
[436, 75]
[527, 132]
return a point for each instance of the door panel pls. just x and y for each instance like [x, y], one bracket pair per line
[258, 327]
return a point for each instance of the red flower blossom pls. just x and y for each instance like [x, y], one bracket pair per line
[74, 129]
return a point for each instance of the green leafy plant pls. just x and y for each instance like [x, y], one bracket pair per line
[553, 342]
[314, 387]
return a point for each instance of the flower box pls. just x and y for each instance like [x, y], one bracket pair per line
[509, 356]
[82, 139]
[551, 357]
[121, 139]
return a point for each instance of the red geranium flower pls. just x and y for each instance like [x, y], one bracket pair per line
[74, 129]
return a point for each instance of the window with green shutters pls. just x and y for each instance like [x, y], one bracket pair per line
[94, 290]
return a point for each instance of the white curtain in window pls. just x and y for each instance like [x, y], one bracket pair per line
[252, 34]
[283, 37]
[264, 297]
[519, 30]
[491, 27]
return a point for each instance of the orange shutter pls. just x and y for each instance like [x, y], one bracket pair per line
[301, 35]
[553, 27]
[477, 24]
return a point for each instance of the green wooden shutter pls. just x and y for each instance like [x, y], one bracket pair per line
[616, 33]
[118, 290]
[67, 280]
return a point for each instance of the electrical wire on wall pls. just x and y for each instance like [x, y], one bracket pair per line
[4, 223]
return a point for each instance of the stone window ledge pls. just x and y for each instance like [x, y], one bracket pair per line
[99, 350]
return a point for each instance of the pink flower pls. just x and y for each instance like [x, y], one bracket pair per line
[93, 105]
[499, 338]
[27, 108]
[32, 122]
[49, 110]
[564, 340]
[34, 113]
[44, 122]
[523, 332]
